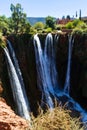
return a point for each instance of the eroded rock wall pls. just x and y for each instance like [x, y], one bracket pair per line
[24, 49]
[9, 120]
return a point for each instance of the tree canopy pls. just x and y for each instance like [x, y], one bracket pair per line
[4, 24]
[39, 26]
[50, 22]
[18, 19]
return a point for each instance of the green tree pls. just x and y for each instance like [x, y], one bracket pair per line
[18, 19]
[50, 22]
[2, 41]
[63, 17]
[69, 25]
[76, 14]
[80, 14]
[4, 24]
[76, 22]
[68, 17]
[39, 26]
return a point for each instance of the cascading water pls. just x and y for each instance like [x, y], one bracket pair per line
[42, 78]
[15, 62]
[49, 56]
[47, 77]
[47, 74]
[19, 97]
[73, 105]
[67, 80]
[50, 65]
[17, 68]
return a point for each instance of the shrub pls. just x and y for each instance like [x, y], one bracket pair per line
[76, 22]
[32, 30]
[77, 31]
[84, 32]
[59, 26]
[2, 41]
[56, 119]
[39, 26]
[69, 25]
[48, 30]
[82, 25]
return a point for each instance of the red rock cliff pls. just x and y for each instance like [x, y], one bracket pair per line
[9, 120]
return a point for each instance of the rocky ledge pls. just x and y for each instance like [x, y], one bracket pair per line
[9, 120]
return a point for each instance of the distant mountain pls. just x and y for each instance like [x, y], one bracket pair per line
[33, 20]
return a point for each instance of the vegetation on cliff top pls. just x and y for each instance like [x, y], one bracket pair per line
[19, 24]
[2, 41]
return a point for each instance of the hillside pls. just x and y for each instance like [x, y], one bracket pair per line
[33, 20]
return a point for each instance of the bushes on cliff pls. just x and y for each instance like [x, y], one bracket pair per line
[76, 24]
[4, 25]
[69, 25]
[80, 29]
[2, 41]
[56, 119]
[39, 26]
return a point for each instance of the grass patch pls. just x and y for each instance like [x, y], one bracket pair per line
[56, 119]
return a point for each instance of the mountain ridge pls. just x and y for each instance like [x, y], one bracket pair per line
[33, 20]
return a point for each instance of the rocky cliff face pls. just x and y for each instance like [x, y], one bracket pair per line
[24, 50]
[9, 120]
[79, 70]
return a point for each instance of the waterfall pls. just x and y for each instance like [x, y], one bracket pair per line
[17, 68]
[16, 65]
[42, 78]
[73, 105]
[18, 94]
[48, 77]
[67, 80]
[49, 55]
[50, 65]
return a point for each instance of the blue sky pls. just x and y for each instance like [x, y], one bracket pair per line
[43, 8]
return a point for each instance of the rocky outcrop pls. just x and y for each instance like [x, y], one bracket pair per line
[9, 120]
[1, 88]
